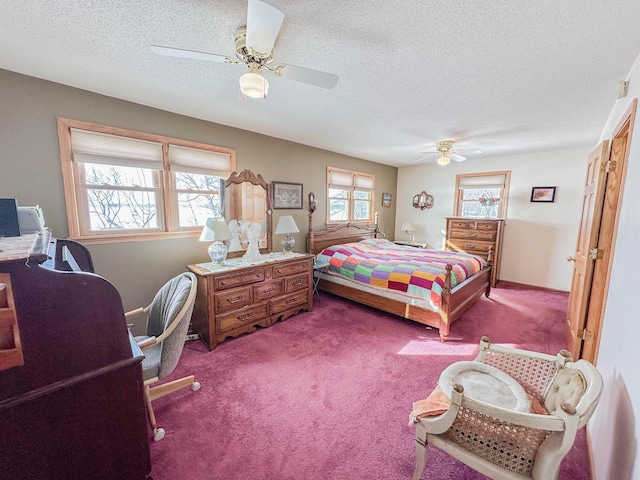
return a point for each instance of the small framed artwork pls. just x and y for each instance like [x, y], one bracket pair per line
[386, 199]
[287, 195]
[543, 194]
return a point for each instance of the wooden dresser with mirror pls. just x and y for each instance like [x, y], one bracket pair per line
[239, 296]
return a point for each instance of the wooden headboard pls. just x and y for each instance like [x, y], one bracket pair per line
[342, 233]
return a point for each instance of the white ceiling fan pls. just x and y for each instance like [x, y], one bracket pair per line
[447, 153]
[254, 48]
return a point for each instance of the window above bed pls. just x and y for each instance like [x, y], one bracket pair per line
[349, 196]
[482, 195]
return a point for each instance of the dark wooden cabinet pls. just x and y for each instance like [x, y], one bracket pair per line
[237, 298]
[477, 236]
[74, 406]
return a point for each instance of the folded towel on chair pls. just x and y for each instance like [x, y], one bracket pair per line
[435, 404]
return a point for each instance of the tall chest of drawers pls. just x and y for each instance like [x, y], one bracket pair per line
[476, 236]
[237, 298]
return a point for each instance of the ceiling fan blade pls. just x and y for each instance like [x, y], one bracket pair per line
[467, 150]
[307, 75]
[263, 25]
[192, 54]
[456, 158]
[421, 159]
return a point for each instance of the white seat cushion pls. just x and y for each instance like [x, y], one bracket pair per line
[486, 384]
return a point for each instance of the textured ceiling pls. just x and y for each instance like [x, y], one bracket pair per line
[496, 75]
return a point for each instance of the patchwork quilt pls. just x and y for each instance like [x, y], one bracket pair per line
[415, 271]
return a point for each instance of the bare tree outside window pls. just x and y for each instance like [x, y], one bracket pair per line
[118, 199]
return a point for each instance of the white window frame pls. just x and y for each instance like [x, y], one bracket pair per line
[351, 181]
[499, 179]
[197, 158]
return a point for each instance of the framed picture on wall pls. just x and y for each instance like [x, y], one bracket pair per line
[386, 199]
[287, 195]
[543, 194]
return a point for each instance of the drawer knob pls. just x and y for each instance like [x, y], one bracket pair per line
[471, 235]
[223, 282]
[245, 317]
[290, 301]
[269, 290]
[470, 245]
[297, 282]
[234, 299]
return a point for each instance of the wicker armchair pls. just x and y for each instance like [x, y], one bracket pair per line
[505, 444]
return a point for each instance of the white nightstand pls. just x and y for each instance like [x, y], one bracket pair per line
[411, 244]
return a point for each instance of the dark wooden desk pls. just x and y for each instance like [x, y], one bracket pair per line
[74, 406]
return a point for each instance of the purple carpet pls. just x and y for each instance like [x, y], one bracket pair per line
[327, 394]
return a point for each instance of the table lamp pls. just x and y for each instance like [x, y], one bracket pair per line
[287, 226]
[408, 227]
[216, 230]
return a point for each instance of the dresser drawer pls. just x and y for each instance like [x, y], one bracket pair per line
[459, 224]
[298, 282]
[240, 318]
[473, 235]
[232, 280]
[486, 226]
[264, 291]
[285, 303]
[292, 268]
[469, 246]
[232, 299]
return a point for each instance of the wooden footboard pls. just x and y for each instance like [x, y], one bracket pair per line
[454, 303]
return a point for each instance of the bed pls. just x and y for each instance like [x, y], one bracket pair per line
[454, 297]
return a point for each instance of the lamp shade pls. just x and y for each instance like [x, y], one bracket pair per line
[214, 230]
[406, 226]
[286, 224]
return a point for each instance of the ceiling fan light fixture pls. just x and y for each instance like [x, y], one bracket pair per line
[443, 160]
[253, 84]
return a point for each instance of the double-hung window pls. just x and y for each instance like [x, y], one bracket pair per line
[125, 185]
[349, 196]
[482, 194]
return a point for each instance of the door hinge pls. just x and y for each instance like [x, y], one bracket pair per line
[596, 254]
[609, 166]
[585, 334]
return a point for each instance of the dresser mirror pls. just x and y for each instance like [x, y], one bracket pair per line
[248, 212]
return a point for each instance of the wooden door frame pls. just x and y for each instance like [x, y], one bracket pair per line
[602, 270]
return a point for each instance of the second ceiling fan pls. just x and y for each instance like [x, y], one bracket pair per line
[254, 48]
[447, 153]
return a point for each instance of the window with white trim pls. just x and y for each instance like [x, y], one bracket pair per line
[129, 185]
[482, 194]
[349, 196]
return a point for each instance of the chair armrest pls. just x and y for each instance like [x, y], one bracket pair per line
[147, 342]
[531, 420]
[136, 312]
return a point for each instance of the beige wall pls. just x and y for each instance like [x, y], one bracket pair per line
[30, 166]
[538, 237]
